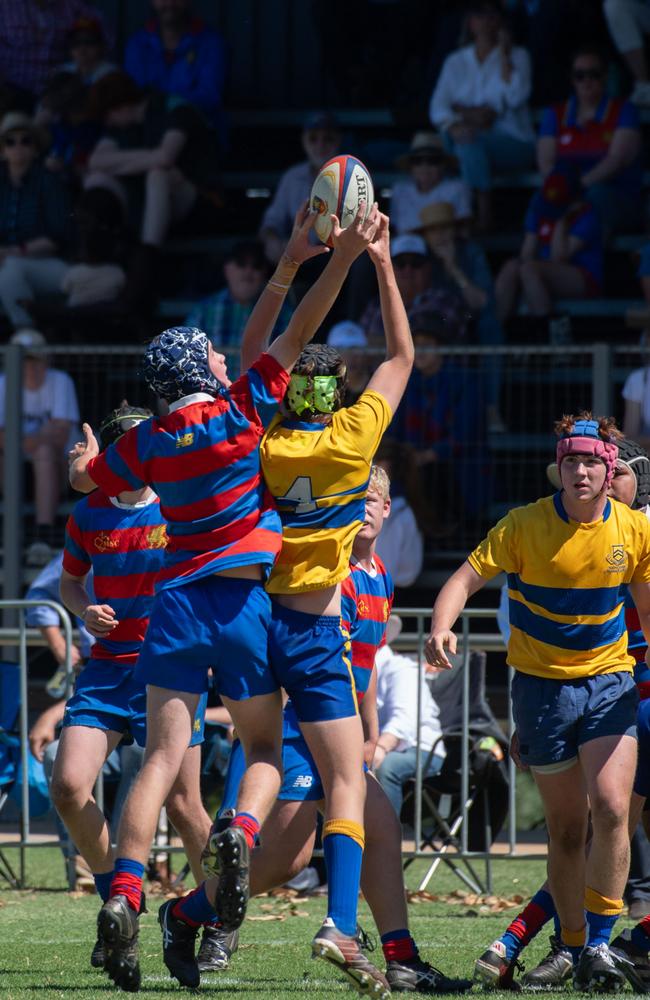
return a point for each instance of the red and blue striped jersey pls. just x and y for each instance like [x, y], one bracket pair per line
[637, 646]
[366, 602]
[125, 548]
[203, 461]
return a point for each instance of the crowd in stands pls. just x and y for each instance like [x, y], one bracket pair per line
[109, 152]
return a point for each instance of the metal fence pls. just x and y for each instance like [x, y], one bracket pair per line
[412, 640]
[478, 472]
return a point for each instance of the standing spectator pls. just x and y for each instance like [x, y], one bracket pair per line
[600, 136]
[35, 216]
[629, 25]
[321, 138]
[636, 393]
[460, 266]
[398, 678]
[33, 36]
[480, 104]
[50, 427]
[176, 53]
[224, 315]
[562, 253]
[429, 167]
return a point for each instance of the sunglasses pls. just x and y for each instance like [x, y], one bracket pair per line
[416, 262]
[587, 74]
[427, 159]
[23, 140]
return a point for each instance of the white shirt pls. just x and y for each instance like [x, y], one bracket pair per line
[465, 80]
[637, 390]
[397, 698]
[55, 400]
[399, 544]
[407, 202]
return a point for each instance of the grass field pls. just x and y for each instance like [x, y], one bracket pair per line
[46, 935]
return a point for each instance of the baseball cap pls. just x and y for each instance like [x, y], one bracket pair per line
[29, 339]
[346, 334]
[409, 243]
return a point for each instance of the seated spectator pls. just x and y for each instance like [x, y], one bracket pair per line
[629, 25]
[33, 37]
[50, 428]
[561, 255]
[87, 47]
[442, 417]
[350, 341]
[431, 171]
[63, 111]
[224, 315]
[636, 393]
[321, 138]
[413, 273]
[461, 267]
[600, 136]
[178, 54]
[480, 104]
[35, 212]
[97, 274]
[400, 545]
[398, 678]
[161, 163]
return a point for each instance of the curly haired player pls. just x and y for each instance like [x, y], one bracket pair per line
[574, 698]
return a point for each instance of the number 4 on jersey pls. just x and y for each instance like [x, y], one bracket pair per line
[300, 494]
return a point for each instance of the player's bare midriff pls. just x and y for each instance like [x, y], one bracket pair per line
[313, 602]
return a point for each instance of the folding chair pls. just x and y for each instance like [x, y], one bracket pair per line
[11, 776]
[487, 801]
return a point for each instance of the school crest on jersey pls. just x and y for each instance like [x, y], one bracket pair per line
[386, 610]
[362, 608]
[157, 538]
[617, 559]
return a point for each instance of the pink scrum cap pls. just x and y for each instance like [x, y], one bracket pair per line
[584, 439]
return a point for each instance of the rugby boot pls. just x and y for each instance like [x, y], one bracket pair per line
[97, 954]
[416, 976]
[217, 948]
[553, 971]
[596, 971]
[633, 962]
[117, 926]
[178, 946]
[227, 856]
[493, 971]
[343, 951]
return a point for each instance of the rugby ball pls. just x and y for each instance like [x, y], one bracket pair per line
[342, 184]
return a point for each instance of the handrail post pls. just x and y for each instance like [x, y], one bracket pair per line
[464, 780]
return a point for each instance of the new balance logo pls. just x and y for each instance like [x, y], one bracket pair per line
[185, 440]
[303, 781]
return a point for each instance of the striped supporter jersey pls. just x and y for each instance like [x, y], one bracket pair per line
[125, 548]
[319, 474]
[203, 461]
[366, 600]
[564, 585]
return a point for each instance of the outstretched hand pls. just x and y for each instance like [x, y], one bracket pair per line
[434, 649]
[299, 249]
[379, 249]
[358, 236]
[88, 448]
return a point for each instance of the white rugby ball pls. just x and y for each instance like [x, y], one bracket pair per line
[342, 184]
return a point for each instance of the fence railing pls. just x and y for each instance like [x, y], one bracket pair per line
[413, 641]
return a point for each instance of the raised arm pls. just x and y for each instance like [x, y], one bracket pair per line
[392, 375]
[450, 602]
[261, 321]
[79, 457]
[348, 245]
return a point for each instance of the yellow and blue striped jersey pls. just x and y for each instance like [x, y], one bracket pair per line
[566, 607]
[318, 475]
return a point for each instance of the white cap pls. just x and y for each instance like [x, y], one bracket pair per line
[346, 334]
[28, 338]
[409, 243]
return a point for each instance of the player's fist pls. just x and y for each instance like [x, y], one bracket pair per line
[99, 619]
